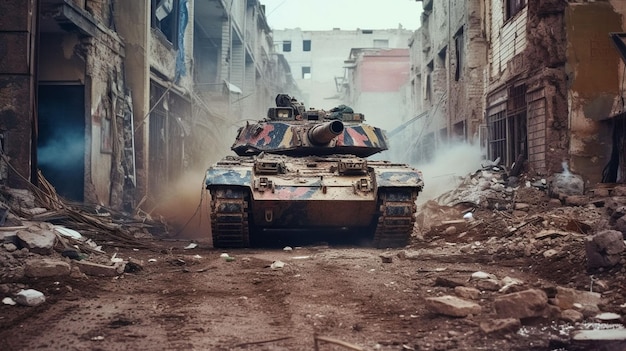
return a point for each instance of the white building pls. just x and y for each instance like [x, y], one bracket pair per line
[317, 58]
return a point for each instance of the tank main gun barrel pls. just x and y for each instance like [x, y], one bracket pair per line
[323, 133]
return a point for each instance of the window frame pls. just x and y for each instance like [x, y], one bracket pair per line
[286, 45]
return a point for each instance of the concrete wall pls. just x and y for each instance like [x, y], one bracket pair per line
[594, 81]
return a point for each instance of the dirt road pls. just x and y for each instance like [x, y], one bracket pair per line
[198, 300]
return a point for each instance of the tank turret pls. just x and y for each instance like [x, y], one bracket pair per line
[291, 130]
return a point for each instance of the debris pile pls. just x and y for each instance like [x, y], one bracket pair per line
[43, 236]
[572, 236]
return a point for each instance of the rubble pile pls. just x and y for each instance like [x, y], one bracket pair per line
[42, 236]
[571, 236]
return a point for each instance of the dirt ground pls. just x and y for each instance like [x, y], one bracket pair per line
[196, 299]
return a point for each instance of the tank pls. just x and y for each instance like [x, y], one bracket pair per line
[301, 170]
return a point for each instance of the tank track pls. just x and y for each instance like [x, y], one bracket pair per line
[397, 217]
[229, 217]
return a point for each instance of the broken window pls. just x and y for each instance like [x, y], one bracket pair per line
[306, 72]
[513, 7]
[508, 128]
[458, 45]
[165, 19]
[287, 46]
[306, 45]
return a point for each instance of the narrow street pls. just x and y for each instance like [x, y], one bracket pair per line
[174, 296]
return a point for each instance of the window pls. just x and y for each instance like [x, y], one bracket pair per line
[458, 45]
[508, 128]
[165, 19]
[306, 45]
[287, 46]
[381, 43]
[513, 7]
[306, 72]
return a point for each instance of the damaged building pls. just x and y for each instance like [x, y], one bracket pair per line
[536, 82]
[113, 100]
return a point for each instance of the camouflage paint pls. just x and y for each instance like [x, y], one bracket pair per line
[224, 176]
[283, 137]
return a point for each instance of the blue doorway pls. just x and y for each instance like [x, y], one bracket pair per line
[61, 138]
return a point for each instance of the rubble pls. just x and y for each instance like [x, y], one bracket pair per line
[46, 267]
[523, 304]
[604, 249]
[452, 306]
[30, 297]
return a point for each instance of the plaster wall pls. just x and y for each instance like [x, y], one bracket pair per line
[593, 70]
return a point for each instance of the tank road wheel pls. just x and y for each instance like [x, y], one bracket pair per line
[229, 217]
[397, 217]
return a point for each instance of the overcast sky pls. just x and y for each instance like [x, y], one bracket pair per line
[343, 14]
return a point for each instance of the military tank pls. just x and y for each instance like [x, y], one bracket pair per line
[301, 169]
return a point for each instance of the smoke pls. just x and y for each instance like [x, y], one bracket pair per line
[448, 168]
[62, 150]
[186, 207]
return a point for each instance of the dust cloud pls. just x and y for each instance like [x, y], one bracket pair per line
[448, 168]
[186, 207]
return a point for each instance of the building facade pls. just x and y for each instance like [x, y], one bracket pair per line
[448, 56]
[317, 58]
[114, 100]
[538, 83]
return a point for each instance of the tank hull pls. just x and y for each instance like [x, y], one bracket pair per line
[336, 192]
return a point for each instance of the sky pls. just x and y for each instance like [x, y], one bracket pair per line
[343, 14]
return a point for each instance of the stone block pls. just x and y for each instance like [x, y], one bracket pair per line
[567, 298]
[523, 304]
[467, 292]
[604, 249]
[452, 306]
[40, 242]
[38, 268]
[100, 270]
[30, 297]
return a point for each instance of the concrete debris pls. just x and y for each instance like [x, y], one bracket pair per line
[46, 267]
[567, 298]
[452, 306]
[604, 339]
[523, 304]
[41, 241]
[30, 297]
[100, 270]
[190, 246]
[604, 249]
[482, 275]
[277, 265]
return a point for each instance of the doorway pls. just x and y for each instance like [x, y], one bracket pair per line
[61, 138]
